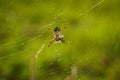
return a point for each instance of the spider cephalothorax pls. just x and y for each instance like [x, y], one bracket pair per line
[56, 30]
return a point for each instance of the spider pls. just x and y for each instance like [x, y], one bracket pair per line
[58, 36]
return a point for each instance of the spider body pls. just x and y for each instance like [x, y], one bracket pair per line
[57, 36]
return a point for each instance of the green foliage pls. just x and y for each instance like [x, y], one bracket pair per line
[92, 42]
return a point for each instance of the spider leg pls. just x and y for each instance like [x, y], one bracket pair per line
[63, 40]
[51, 42]
[52, 34]
[50, 31]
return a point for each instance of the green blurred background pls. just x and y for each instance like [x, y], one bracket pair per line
[92, 42]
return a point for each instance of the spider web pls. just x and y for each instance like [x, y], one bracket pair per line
[44, 27]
